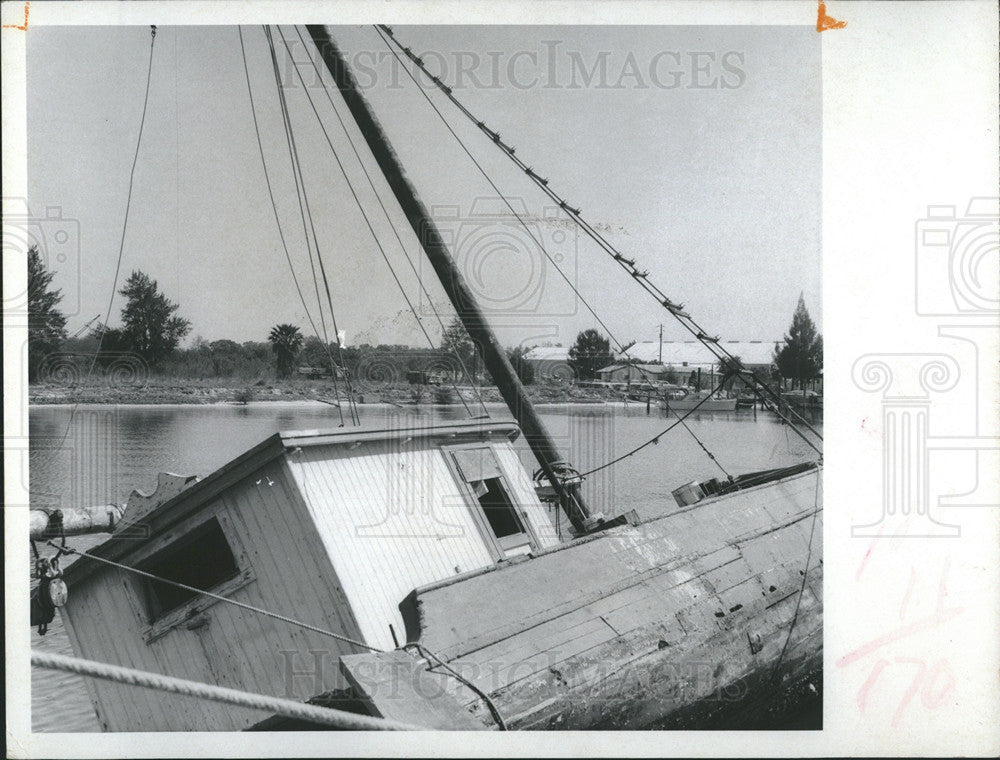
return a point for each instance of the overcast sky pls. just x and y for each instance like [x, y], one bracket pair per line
[695, 149]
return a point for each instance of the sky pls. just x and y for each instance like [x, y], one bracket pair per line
[695, 150]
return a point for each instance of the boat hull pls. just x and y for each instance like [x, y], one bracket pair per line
[628, 631]
[712, 405]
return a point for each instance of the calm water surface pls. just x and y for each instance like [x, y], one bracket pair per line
[103, 452]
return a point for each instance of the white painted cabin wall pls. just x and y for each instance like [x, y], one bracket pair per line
[393, 517]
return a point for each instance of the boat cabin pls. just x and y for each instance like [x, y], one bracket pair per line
[333, 528]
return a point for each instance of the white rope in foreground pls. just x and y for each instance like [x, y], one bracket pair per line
[275, 705]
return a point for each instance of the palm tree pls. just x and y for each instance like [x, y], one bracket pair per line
[286, 340]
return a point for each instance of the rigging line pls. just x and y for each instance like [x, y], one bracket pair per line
[805, 577]
[392, 226]
[121, 246]
[270, 191]
[654, 440]
[287, 708]
[364, 214]
[217, 597]
[502, 197]
[355, 416]
[429, 655]
[698, 440]
[304, 212]
[627, 264]
[537, 242]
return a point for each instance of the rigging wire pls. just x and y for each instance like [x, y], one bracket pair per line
[121, 247]
[217, 597]
[654, 440]
[805, 577]
[270, 191]
[538, 243]
[502, 197]
[364, 214]
[641, 277]
[292, 621]
[306, 213]
[392, 226]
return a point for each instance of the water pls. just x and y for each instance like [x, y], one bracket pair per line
[107, 451]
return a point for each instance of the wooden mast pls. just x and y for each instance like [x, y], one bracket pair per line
[458, 292]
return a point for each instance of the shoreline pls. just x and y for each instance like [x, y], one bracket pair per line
[197, 394]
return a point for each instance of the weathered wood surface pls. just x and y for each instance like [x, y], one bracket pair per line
[670, 624]
[398, 686]
[168, 485]
[74, 521]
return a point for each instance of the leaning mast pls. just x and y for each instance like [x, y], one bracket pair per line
[458, 292]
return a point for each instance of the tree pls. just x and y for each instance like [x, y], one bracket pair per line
[524, 368]
[286, 340]
[801, 358]
[46, 324]
[150, 326]
[589, 353]
[457, 342]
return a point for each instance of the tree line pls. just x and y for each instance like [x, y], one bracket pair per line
[151, 330]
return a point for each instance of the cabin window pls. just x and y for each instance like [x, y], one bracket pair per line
[202, 559]
[500, 521]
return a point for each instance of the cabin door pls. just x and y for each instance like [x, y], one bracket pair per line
[498, 517]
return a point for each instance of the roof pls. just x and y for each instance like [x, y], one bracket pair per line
[676, 352]
[193, 497]
[548, 353]
[653, 369]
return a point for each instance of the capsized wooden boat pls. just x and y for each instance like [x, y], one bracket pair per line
[434, 536]
[416, 574]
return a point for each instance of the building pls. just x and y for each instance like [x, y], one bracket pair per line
[550, 363]
[677, 360]
[633, 373]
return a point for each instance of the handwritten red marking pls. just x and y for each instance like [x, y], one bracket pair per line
[868, 553]
[909, 590]
[824, 22]
[869, 683]
[23, 27]
[900, 633]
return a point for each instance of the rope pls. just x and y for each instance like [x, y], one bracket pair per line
[697, 440]
[306, 213]
[621, 346]
[641, 277]
[805, 577]
[463, 680]
[121, 245]
[655, 439]
[502, 197]
[217, 597]
[275, 705]
[395, 231]
[364, 214]
[270, 192]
